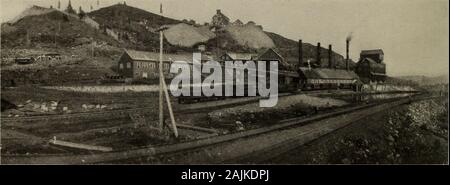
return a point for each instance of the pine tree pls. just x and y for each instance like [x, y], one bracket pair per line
[81, 13]
[69, 9]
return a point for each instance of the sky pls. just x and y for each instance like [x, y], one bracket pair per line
[414, 34]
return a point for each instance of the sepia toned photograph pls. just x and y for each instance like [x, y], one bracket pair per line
[279, 82]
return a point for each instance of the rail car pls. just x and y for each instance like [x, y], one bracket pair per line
[306, 79]
[329, 86]
[282, 88]
[194, 99]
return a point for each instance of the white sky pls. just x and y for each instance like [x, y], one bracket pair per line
[414, 34]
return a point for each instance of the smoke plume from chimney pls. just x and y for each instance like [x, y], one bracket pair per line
[349, 37]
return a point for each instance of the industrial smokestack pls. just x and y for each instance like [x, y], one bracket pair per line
[318, 54]
[330, 60]
[347, 58]
[300, 53]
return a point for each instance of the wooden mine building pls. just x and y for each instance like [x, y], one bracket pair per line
[370, 67]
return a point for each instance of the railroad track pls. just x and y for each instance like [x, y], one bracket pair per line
[120, 112]
[74, 115]
[253, 148]
[125, 112]
[188, 150]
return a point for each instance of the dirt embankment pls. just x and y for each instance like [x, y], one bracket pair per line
[410, 134]
[76, 66]
[377, 88]
[33, 100]
[253, 116]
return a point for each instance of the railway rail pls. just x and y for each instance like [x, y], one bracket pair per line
[120, 112]
[125, 112]
[192, 148]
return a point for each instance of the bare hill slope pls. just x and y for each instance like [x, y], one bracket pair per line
[186, 35]
[48, 27]
[250, 36]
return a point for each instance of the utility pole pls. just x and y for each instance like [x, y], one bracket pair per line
[28, 38]
[57, 32]
[161, 111]
[92, 47]
[169, 106]
[163, 87]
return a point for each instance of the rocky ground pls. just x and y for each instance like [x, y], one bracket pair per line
[77, 66]
[251, 115]
[412, 134]
[34, 100]
[119, 131]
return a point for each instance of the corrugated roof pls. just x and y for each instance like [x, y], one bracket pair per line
[241, 56]
[377, 74]
[282, 62]
[288, 73]
[372, 51]
[373, 62]
[167, 57]
[326, 73]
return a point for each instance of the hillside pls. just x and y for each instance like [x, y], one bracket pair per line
[426, 80]
[289, 49]
[186, 35]
[129, 27]
[135, 27]
[250, 36]
[34, 29]
[121, 16]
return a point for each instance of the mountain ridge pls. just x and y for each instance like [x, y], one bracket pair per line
[137, 29]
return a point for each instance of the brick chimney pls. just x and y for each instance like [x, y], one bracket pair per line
[300, 53]
[330, 57]
[318, 55]
[347, 58]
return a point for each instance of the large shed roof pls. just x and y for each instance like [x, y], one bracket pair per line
[242, 56]
[167, 57]
[327, 73]
[372, 62]
[371, 52]
[154, 56]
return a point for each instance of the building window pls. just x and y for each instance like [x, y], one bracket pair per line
[120, 66]
[129, 65]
